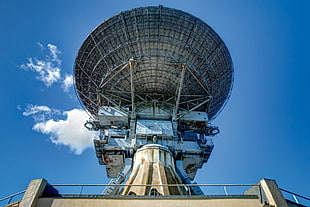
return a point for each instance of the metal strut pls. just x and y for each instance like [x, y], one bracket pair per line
[179, 91]
[103, 84]
[132, 87]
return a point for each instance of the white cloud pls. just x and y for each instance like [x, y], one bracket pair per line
[39, 113]
[54, 52]
[69, 132]
[40, 45]
[48, 69]
[67, 82]
[34, 109]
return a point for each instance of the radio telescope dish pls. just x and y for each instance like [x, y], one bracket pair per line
[154, 55]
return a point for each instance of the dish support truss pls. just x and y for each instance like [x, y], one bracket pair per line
[156, 119]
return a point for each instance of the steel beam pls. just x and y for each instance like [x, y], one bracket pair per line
[102, 84]
[192, 109]
[198, 80]
[132, 87]
[179, 91]
[114, 104]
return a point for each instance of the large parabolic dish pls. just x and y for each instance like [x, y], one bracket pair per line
[154, 54]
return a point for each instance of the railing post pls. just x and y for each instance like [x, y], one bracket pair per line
[225, 190]
[295, 199]
[81, 189]
[10, 199]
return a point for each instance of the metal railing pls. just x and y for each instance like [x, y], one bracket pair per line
[210, 190]
[7, 200]
[299, 199]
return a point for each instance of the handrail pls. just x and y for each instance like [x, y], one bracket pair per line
[124, 185]
[155, 184]
[10, 197]
[295, 194]
[187, 186]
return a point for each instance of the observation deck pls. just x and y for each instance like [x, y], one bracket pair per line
[265, 193]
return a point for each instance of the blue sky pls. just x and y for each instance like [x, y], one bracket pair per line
[264, 126]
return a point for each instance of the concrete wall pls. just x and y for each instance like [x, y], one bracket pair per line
[141, 202]
[270, 193]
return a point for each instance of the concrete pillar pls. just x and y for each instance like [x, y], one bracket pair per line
[273, 193]
[33, 192]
